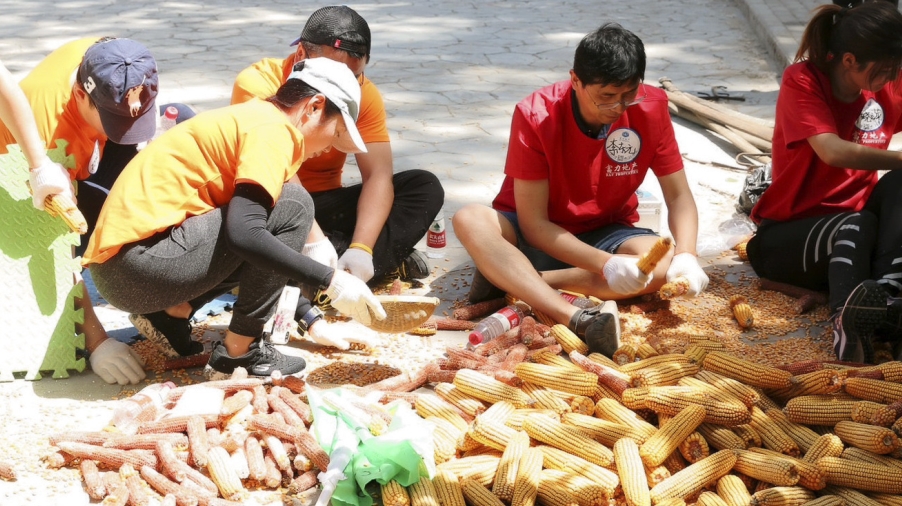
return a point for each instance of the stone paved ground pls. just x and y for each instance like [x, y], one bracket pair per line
[450, 73]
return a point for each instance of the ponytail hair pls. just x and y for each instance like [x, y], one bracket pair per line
[871, 31]
[296, 90]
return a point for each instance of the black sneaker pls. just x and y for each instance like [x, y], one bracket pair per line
[481, 289]
[171, 335]
[261, 360]
[414, 267]
[854, 325]
[599, 327]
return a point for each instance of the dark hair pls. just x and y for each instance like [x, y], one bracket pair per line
[317, 49]
[295, 90]
[855, 3]
[610, 55]
[872, 31]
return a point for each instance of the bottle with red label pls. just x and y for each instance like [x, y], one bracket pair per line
[496, 324]
[435, 237]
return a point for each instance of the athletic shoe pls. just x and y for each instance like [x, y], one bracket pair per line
[481, 289]
[260, 360]
[413, 267]
[171, 335]
[854, 325]
[599, 327]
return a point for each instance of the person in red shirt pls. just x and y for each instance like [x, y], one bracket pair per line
[826, 222]
[578, 151]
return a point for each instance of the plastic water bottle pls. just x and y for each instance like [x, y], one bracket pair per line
[496, 324]
[144, 406]
[578, 301]
[168, 120]
[435, 237]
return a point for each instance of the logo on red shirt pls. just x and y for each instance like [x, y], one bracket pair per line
[623, 145]
[869, 121]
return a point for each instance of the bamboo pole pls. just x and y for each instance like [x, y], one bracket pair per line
[717, 114]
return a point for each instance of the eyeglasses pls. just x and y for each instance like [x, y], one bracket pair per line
[625, 103]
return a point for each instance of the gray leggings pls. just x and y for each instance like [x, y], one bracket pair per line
[192, 262]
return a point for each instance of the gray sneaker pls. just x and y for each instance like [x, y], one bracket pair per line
[261, 360]
[171, 335]
[599, 327]
[854, 325]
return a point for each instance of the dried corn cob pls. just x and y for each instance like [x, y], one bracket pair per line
[861, 475]
[175, 424]
[747, 372]
[430, 405]
[782, 496]
[611, 410]
[873, 413]
[394, 494]
[197, 441]
[772, 435]
[879, 440]
[277, 450]
[625, 354]
[673, 501]
[278, 405]
[109, 457]
[224, 475]
[556, 434]
[165, 486]
[648, 261]
[632, 473]
[491, 433]
[694, 477]
[883, 392]
[568, 340]
[488, 389]
[526, 484]
[604, 431]
[545, 399]
[506, 475]
[445, 438]
[802, 435]
[607, 376]
[582, 405]
[303, 482]
[664, 374]
[478, 310]
[857, 454]
[749, 435]
[273, 475]
[479, 467]
[810, 476]
[708, 498]
[825, 381]
[467, 404]
[515, 420]
[720, 437]
[584, 492]
[144, 441]
[423, 493]
[555, 458]
[550, 493]
[669, 358]
[733, 491]
[169, 463]
[646, 350]
[851, 497]
[256, 466]
[742, 250]
[138, 489]
[554, 359]
[93, 482]
[827, 445]
[673, 289]
[779, 472]
[117, 491]
[477, 494]
[91, 438]
[671, 400]
[666, 440]
[447, 488]
[62, 206]
[886, 499]
[694, 447]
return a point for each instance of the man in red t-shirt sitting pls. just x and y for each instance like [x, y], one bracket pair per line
[578, 151]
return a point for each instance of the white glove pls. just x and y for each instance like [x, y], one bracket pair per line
[322, 251]
[117, 362]
[353, 298]
[49, 179]
[624, 276]
[357, 262]
[341, 334]
[685, 265]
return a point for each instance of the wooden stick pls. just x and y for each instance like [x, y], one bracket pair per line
[716, 113]
[733, 136]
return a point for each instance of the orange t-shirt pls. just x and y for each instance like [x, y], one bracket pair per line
[192, 169]
[48, 88]
[323, 172]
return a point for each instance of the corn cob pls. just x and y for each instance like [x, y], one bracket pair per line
[503, 486]
[394, 494]
[664, 374]
[733, 491]
[625, 354]
[169, 462]
[575, 381]
[810, 476]
[491, 433]
[197, 441]
[117, 491]
[423, 493]
[675, 463]
[765, 402]
[861, 475]
[826, 500]
[782, 496]
[582, 405]
[138, 489]
[825, 381]
[93, 483]
[879, 440]
[747, 372]
[277, 450]
[828, 445]
[874, 413]
[568, 340]
[223, 474]
[611, 410]
[780, 472]
[488, 389]
[818, 410]
[555, 458]
[545, 399]
[479, 467]
[273, 475]
[708, 498]
[607, 375]
[62, 206]
[477, 494]
[478, 309]
[144, 441]
[550, 493]
[259, 402]
[584, 492]
[598, 358]
[256, 466]
[632, 473]
[802, 435]
[850, 496]
[669, 358]
[526, 484]
[742, 311]
[91, 438]
[109, 457]
[175, 424]
[749, 435]
[772, 436]
[430, 405]
[649, 260]
[673, 501]
[556, 434]
[604, 431]
[294, 402]
[671, 400]
[655, 475]
[694, 447]
[673, 289]
[696, 351]
[165, 486]
[886, 499]
[646, 350]
[883, 392]
[666, 440]
[859, 455]
[302, 439]
[235, 402]
[694, 477]
[445, 436]
[892, 371]
[515, 420]
[469, 405]
[447, 488]
[303, 482]
[720, 437]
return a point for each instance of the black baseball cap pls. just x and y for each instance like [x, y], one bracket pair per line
[338, 26]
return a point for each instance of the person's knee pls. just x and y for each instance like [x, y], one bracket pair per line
[860, 229]
[420, 184]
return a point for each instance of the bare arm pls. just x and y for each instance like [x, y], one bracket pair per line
[540, 232]
[16, 114]
[681, 210]
[378, 192]
[840, 153]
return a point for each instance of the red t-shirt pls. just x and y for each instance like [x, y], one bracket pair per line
[803, 185]
[591, 182]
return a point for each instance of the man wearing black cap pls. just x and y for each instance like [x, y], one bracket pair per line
[374, 225]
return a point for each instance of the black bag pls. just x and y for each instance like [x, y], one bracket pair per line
[756, 181]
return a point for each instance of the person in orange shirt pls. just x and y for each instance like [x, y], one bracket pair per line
[204, 209]
[371, 227]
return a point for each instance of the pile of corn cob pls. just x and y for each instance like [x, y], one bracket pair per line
[259, 440]
[517, 423]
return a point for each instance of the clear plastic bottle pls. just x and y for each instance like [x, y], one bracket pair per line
[146, 405]
[578, 301]
[168, 120]
[436, 238]
[496, 324]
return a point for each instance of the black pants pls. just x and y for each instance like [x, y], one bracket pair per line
[418, 199]
[836, 252]
[92, 192]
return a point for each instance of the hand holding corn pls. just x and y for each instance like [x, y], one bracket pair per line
[684, 266]
[624, 276]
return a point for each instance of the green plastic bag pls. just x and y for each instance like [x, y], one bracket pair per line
[404, 452]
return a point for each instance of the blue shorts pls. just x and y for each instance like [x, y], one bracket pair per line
[607, 238]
